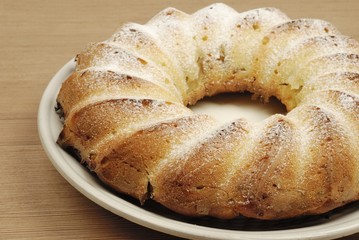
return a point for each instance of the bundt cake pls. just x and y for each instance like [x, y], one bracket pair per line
[126, 115]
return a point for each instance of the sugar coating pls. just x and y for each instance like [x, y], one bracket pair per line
[261, 170]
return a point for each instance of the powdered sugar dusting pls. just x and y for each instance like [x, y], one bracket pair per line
[279, 40]
[173, 28]
[111, 57]
[350, 102]
[304, 62]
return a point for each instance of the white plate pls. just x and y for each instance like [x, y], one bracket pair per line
[341, 222]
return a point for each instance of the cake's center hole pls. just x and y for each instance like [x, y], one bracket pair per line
[230, 106]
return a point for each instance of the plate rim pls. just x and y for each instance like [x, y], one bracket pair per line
[141, 216]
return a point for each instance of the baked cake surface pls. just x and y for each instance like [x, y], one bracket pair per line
[126, 116]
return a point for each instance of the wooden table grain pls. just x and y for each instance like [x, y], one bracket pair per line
[37, 38]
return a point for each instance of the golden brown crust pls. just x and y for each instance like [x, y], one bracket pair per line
[94, 128]
[131, 165]
[329, 166]
[197, 182]
[91, 85]
[125, 113]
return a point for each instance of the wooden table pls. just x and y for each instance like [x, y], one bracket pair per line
[37, 38]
